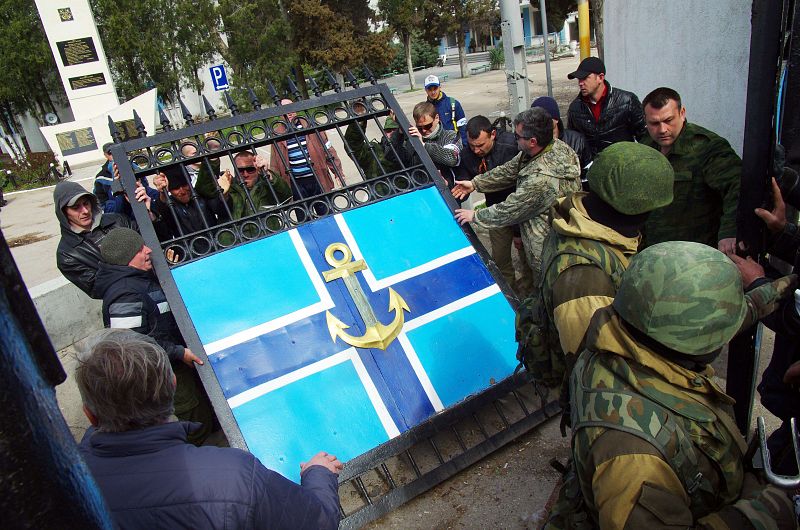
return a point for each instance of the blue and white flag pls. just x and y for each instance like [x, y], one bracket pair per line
[267, 318]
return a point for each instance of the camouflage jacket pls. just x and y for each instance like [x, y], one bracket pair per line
[574, 286]
[655, 445]
[371, 155]
[707, 174]
[540, 181]
[261, 194]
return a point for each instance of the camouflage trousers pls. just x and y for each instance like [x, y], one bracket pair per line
[502, 240]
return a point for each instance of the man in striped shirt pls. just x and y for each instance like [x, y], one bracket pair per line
[307, 162]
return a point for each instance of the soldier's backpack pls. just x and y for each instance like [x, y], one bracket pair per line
[539, 348]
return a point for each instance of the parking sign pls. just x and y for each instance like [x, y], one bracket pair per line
[219, 78]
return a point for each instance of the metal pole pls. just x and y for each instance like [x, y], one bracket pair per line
[45, 483]
[583, 28]
[765, 39]
[514, 48]
[543, 10]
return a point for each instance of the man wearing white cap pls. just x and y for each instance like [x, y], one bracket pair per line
[449, 109]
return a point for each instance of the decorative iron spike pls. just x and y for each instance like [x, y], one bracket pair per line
[332, 80]
[276, 99]
[210, 112]
[232, 106]
[186, 114]
[253, 99]
[293, 88]
[351, 79]
[314, 86]
[369, 75]
[112, 128]
[162, 117]
[137, 122]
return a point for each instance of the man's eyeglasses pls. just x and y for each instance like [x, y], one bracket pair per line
[427, 127]
[518, 137]
[247, 169]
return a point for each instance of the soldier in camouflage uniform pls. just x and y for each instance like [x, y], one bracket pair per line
[707, 174]
[375, 157]
[594, 235]
[654, 441]
[545, 170]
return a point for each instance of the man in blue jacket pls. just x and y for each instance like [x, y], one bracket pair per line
[152, 478]
[449, 109]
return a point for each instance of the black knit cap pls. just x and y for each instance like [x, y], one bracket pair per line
[120, 246]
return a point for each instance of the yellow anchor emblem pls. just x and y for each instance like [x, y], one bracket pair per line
[378, 335]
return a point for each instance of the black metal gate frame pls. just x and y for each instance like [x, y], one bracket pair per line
[147, 155]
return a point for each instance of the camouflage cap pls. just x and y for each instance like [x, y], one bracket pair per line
[632, 178]
[686, 296]
[390, 123]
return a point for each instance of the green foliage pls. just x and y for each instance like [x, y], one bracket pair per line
[422, 54]
[156, 43]
[257, 52]
[34, 172]
[297, 37]
[557, 11]
[28, 72]
[497, 57]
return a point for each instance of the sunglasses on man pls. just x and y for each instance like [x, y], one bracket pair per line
[427, 127]
[247, 169]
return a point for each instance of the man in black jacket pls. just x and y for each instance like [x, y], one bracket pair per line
[604, 115]
[182, 212]
[133, 299]
[83, 228]
[488, 149]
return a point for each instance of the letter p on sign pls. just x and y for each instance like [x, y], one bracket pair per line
[219, 78]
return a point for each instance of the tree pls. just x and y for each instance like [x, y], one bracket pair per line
[597, 18]
[28, 76]
[156, 43]
[325, 38]
[269, 40]
[557, 12]
[259, 43]
[404, 18]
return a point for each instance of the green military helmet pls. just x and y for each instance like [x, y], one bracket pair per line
[632, 178]
[686, 296]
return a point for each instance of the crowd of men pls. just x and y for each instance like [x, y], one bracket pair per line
[625, 223]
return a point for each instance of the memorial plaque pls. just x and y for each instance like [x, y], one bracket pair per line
[77, 51]
[76, 141]
[127, 130]
[65, 14]
[86, 81]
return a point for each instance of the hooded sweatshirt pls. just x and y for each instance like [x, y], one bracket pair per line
[78, 252]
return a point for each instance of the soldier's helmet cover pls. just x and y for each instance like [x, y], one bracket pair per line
[686, 296]
[632, 178]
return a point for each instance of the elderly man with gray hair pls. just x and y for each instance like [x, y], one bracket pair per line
[545, 170]
[152, 478]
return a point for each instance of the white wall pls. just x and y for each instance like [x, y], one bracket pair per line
[699, 48]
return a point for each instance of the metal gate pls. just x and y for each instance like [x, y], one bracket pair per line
[338, 304]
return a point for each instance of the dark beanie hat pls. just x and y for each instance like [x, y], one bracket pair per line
[120, 246]
[175, 178]
[549, 104]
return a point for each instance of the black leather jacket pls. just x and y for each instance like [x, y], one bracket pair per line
[577, 142]
[77, 255]
[621, 120]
